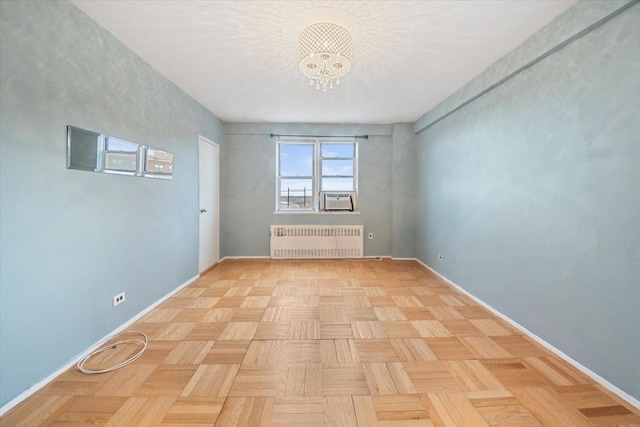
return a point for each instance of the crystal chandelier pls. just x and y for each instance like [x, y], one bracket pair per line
[324, 51]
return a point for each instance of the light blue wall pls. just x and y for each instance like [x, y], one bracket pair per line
[532, 194]
[70, 239]
[249, 179]
[404, 191]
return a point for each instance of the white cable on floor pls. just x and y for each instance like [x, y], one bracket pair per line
[112, 346]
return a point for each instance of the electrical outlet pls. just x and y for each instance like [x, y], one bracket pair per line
[370, 236]
[118, 299]
[441, 257]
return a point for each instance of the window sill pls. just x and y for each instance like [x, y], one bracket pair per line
[316, 213]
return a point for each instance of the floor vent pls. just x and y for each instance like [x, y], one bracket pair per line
[317, 241]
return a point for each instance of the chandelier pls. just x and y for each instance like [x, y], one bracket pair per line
[324, 52]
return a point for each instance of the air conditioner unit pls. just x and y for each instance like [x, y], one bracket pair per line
[338, 201]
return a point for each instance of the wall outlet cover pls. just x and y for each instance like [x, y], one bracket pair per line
[118, 299]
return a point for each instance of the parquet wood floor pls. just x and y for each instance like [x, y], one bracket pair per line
[327, 343]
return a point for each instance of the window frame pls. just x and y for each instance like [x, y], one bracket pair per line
[316, 179]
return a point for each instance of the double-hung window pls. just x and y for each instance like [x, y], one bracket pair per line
[307, 168]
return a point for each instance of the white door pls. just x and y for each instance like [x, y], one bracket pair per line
[209, 204]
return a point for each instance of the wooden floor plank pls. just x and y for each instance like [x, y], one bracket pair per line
[36, 411]
[365, 411]
[379, 379]
[455, 409]
[547, 407]
[241, 411]
[339, 411]
[211, 381]
[138, 411]
[194, 410]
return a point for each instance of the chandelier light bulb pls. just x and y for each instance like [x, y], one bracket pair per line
[324, 54]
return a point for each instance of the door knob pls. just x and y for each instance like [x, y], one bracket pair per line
[203, 210]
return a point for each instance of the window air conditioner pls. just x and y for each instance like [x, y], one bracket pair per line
[338, 201]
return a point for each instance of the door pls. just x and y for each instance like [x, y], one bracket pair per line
[209, 184]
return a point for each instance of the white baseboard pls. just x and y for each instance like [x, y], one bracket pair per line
[303, 259]
[34, 388]
[244, 257]
[603, 382]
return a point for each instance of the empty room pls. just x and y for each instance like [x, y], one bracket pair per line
[320, 213]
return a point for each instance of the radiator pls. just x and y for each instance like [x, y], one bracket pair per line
[317, 241]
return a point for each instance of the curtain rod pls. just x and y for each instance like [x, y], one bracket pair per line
[276, 135]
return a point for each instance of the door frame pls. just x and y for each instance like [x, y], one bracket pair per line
[217, 243]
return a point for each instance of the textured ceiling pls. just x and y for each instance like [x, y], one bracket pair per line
[239, 58]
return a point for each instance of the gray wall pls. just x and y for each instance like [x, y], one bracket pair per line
[249, 179]
[532, 194]
[70, 239]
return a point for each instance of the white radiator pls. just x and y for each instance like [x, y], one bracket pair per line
[317, 241]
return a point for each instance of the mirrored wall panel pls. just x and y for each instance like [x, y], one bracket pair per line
[83, 149]
[158, 163]
[96, 152]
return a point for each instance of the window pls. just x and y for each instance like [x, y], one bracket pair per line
[307, 168]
